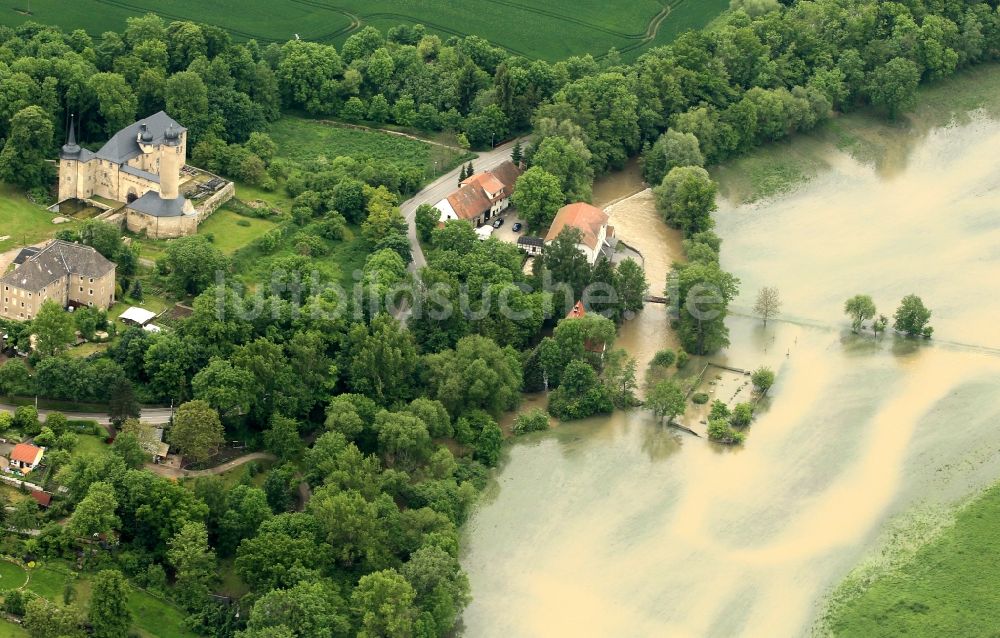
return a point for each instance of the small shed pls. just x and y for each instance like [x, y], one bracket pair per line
[484, 232]
[531, 245]
[137, 316]
[43, 498]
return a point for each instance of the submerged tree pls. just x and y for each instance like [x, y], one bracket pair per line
[859, 308]
[768, 303]
[912, 316]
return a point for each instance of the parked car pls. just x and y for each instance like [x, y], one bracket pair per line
[498, 223]
[517, 227]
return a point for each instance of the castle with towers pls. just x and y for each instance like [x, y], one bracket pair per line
[141, 167]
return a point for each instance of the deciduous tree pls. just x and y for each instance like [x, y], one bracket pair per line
[197, 431]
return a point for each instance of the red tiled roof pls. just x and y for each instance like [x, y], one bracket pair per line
[577, 311]
[589, 219]
[24, 453]
[43, 498]
[486, 182]
[470, 200]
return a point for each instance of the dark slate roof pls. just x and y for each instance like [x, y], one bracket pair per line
[152, 204]
[123, 146]
[507, 173]
[530, 241]
[56, 260]
[131, 170]
[26, 253]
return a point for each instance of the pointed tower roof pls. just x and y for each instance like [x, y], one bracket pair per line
[71, 150]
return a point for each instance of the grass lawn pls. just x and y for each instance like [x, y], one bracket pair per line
[10, 630]
[12, 576]
[301, 139]
[277, 198]
[947, 589]
[90, 444]
[86, 349]
[23, 221]
[12, 496]
[231, 231]
[525, 28]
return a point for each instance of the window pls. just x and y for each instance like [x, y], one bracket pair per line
[91, 280]
[91, 292]
[81, 288]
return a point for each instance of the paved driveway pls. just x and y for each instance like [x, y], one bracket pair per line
[506, 232]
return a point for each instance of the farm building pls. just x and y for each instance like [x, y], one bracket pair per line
[26, 457]
[67, 273]
[142, 166]
[592, 222]
[481, 196]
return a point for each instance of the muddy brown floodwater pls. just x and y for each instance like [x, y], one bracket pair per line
[617, 526]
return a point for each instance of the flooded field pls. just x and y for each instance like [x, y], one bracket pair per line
[618, 526]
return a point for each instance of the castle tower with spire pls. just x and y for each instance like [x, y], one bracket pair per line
[69, 164]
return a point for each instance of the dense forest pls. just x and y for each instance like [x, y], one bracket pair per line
[392, 427]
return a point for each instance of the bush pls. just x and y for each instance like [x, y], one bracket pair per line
[531, 421]
[700, 398]
[719, 410]
[719, 431]
[15, 601]
[245, 223]
[742, 415]
[763, 379]
[682, 359]
[664, 358]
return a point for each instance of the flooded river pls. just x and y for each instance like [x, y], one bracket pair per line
[619, 527]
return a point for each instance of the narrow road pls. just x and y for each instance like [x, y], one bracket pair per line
[438, 190]
[153, 416]
[173, 472]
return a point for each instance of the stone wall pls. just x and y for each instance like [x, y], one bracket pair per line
[219, 198]
[161, 227]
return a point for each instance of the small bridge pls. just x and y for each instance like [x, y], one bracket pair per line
[652, 299]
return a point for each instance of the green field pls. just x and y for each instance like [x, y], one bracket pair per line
[523, 27]
[301, 139]
[947, 589]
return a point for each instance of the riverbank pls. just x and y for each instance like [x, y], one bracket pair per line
[946, 588]
[863, 136]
